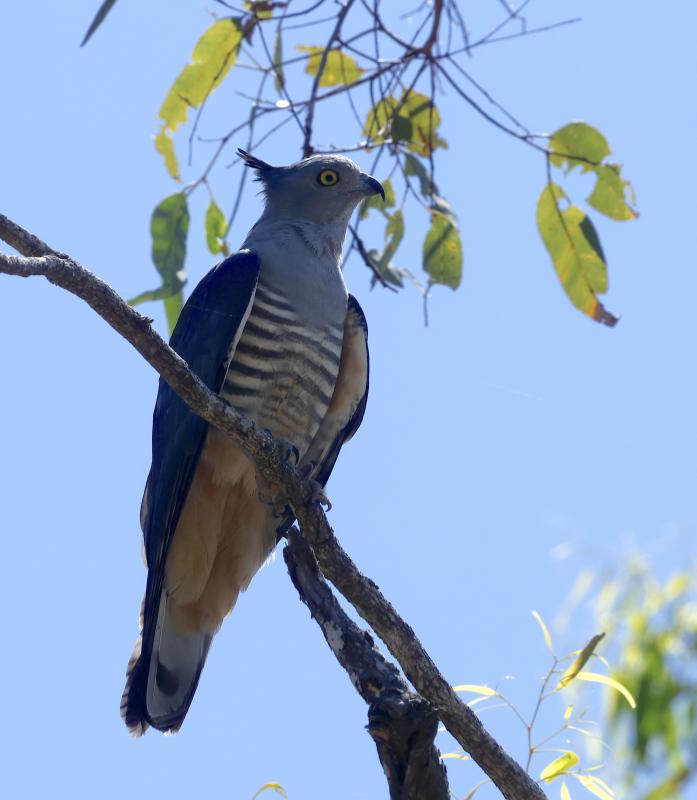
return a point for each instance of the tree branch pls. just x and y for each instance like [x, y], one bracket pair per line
[402, 724]
[360, 591]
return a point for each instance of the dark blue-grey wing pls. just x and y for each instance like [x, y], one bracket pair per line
[207, 330]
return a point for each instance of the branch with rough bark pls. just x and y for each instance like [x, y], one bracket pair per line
[38, 259]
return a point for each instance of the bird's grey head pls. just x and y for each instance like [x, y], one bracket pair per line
[323, 188]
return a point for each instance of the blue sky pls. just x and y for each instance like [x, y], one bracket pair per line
[509, 427]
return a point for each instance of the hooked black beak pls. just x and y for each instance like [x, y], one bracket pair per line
[372, 185]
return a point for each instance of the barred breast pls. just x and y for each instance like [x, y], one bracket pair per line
[283, 369]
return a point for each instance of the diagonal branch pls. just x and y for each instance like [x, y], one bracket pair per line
[402, 724]
[41, 260]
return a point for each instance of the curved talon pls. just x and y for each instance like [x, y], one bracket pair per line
[318, 496]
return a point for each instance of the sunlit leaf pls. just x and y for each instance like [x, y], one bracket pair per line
[545, 632]
[609, 196]
[580, 661]
[99, 17]
[271, 787]
[564, 793]
[339, 67]
[165, 147]
[216, 228]
[595, 786]
[460, 756]
[413, 166]
[567, 714]
[213, 57]
[173, 308]
[413, 119]
[475, 688]
[573, 244]
[559, 766]
[442, 252]
[577, 144]
[594, 677]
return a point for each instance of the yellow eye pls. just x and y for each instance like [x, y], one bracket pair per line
[328, 177]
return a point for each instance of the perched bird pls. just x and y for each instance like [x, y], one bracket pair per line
[273, 330]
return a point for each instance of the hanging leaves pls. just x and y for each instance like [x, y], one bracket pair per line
[412, 119]
[213, 57]
[339, 68]
[169, 226]
[216, 228]
[559, 766]
[574, 247]
[442, 251]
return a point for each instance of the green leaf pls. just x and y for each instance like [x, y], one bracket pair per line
[578, 258]
[559, 766]
[545, 631]
[173, 308]
[375, 201]
[412, 166]
[216, 228]
[413, 119]
[169, 226]
[213, 57]
[594, 677]
[278, 76]
[576, 144]
[339, 68]
[271, 787]
[99, 17]
[470, 794]
[580, 661]
[609, 196]
[442, 252]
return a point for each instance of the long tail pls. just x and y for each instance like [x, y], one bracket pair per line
[161, 679]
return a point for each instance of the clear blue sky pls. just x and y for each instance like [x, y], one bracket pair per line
[508, 427]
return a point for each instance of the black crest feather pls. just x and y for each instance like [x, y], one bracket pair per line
[253, 161]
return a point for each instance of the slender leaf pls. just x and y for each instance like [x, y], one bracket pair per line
[595, 786]
[580, 661]
[568, 712]
[99, 17]
[545, 631]
[574, 247]
[476, 689]
[594, 677]
[564, 793]
[279, 79]
[559, 766]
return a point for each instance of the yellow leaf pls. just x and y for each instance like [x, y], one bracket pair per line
[460, 756]
[595, 786]
[545, 632]
[476, 688]
[564, 792]
[470, 795]
[594, 677]
[273, 786]
[339, 68]
[165, 147]
[580, 661]
[567, 714]
[559, 766]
